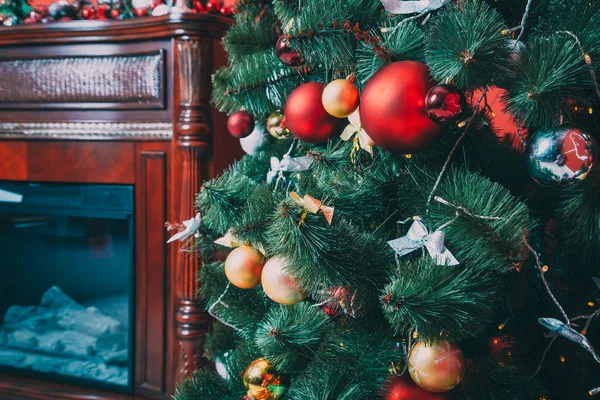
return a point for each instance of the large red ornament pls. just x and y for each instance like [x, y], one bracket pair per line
[392, 108]
[402, 388]
[306, 117]
[240, 124]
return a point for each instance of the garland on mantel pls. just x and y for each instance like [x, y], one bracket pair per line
[15, 12]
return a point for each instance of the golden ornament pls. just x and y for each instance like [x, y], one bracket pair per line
[279, 285]
[277, 127]
[436, 367]
[262, 381]
[340, 98]
[244, 266]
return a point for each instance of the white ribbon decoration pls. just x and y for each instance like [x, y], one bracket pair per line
[417, 237]
[355, 127]
[191, 227]
[412, 7]
[287, 164]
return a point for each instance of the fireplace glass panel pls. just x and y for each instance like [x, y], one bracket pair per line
[66, 282]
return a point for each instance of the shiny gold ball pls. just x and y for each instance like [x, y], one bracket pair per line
[262, 381]
[279, 285]
[340, 98]
[277, 127]
[436, 367]
[244, 266]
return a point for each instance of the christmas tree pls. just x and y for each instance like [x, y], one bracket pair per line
[418, 215]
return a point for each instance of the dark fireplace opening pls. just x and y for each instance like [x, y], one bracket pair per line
[67, 283]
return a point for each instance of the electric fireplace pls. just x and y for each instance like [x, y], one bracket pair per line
[66, 282]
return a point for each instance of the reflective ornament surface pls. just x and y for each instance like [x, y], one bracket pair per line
[561, 156]
[286, 54]
[436, 367]
[244, 266]
[445, 104]
[262, 381]
[340, 98]
[240, 124]
[402, 388]
[278, 284]
[276, 125]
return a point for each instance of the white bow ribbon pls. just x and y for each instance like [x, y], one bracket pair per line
[412, 7]
[191, 227]
[287, 164]
[355, 127]
[417, 237]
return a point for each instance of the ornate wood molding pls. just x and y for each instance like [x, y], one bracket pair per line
[192, 140]
[87, 130]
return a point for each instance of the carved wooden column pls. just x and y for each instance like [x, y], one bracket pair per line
[192, 141]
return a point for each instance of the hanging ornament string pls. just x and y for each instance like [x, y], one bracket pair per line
[523, 22]
[586, 57]
[218, 301]
[447, 163]
[542, 269]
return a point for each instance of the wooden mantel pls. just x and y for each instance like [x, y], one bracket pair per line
[123, 102]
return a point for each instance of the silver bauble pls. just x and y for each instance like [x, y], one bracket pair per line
[561, 156]
[257, 141]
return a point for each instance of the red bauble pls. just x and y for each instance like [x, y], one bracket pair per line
[114, 13]
[290, 57]
[403, 388]
[306, 117]
[392, 108]
[102, 11]
[505, 126]
[213, 6]
[445, 104]
[240, 124]
[88, 12]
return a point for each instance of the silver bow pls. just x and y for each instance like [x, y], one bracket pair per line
[287, 164]
[191, 227]
[418, 237]
[412, 7]
[557, 327]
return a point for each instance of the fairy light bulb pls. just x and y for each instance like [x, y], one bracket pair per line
[590, 304]
[562, 359]
[545, 268]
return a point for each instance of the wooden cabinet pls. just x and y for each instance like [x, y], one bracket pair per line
[123, 102]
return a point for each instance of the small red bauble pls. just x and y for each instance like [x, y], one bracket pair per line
[240, 124]
[402, 388]
[102, 11]
[226, 10]
[445, 104]
[392, 108]
[114, 13]
[87, 12]
[213, 6]
[286, 54]
[306, 117]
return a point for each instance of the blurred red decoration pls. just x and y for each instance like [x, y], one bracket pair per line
[226, 10]
[199, 7]
[88, 12]
[505, 126]
[392, 108]
[306, 117]
[115, 14]
[213, 6]
[403, 388]
[102, 10]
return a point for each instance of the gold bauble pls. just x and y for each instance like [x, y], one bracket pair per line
[436, 367]
[279, 285]
[244, 266]
[340, 98]
[262, 381]
[277, 127]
